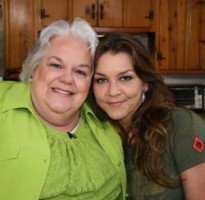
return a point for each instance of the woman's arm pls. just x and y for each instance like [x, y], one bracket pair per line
[193, 181]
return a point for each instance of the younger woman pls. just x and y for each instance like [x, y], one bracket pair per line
[164, 144]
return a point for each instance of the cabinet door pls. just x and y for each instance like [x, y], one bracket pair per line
[195, 59]
[181, 37]
[202, 37]
[110, 13]
[1, 38]
[19, 32]
[139, 13]
[86, 9]
[99, 13]
[53, 10]
[172, 35]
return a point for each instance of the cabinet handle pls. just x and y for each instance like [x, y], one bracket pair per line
[43, 14]
[160, 57]
[1, 11]
[150, 15]
[93, 11]
[101, 11]
[201, 1]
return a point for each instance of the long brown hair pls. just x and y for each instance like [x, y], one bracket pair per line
[150, 120]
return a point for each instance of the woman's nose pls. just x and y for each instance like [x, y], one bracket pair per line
[113, 89]
[66, 76]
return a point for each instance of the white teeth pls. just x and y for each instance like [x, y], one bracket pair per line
[62, 91]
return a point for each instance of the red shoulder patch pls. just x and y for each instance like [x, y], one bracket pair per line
[198, 145]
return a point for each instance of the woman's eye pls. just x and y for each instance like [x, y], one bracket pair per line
[125, 78]
[55, 65]
[100, 80]
[81, 72]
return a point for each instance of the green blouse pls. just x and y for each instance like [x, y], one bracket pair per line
[89, 172]
[30, 159]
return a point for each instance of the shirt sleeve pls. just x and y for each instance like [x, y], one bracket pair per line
[189, 140]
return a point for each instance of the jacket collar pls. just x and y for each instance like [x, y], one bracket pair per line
[89, 114]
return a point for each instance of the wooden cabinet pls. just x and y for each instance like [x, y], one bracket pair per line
[178, 27]
[24, 19]
[19, 31]
[1, 40]
[99, 13]
[112, 15]
[139, 13]
[195, 57]
[180, 37]
[51, 11]
[119, 14]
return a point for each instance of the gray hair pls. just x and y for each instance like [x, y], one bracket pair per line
[79, 28]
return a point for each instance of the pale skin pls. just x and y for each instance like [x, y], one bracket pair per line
[61, 82]
[193, 181]
[118, 91]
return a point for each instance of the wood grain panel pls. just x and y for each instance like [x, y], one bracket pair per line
[19, 29]
[55, 10]
[137, 13]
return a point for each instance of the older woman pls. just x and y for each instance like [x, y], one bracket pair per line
[52, 147]
[164, 144]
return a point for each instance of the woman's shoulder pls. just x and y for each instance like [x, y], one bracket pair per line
[13, 94]
[187, 121]
[187, 139]
[180, 114]
[6, 86]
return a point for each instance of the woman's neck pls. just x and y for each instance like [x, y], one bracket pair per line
[62, 123]
[126, 126]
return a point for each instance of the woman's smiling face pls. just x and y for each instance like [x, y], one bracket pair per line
[117, 88]
[61, 82]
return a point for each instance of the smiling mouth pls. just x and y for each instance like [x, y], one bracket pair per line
[60, 91]
[115, 104]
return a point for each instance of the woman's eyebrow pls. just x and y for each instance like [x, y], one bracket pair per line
[55, 57]
[126, 71]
